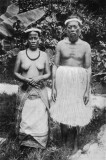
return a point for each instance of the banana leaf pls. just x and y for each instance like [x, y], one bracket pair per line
[11, 15]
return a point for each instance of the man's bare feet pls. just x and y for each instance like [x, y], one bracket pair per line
[74, 151]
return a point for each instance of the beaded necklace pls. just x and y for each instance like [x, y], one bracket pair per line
[32, 59]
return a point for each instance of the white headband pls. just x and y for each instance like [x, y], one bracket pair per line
[73, 19]
[33, 29]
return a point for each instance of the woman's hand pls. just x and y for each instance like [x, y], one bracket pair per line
[30, 81]
[33, 81]
[38, 78]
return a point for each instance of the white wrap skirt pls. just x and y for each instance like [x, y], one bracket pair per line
[32, 117]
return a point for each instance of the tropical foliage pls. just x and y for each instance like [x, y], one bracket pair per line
[93, 31]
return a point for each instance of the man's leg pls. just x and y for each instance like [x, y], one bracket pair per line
[76, 138]
[64, 133]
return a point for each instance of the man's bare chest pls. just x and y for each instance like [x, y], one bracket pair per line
[72, 51]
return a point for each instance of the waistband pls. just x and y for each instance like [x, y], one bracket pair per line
[71, 68]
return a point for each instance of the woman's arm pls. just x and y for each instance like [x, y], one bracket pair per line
[16, 69]
[47, 70]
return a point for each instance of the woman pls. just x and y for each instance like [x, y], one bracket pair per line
[32, 68]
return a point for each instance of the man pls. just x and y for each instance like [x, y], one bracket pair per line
[71, 81]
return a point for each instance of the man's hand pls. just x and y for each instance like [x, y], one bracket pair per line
[86, 98]
[54, 95]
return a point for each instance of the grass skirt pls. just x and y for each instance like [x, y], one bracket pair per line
[69, 107]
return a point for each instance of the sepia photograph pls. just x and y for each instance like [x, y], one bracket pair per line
[52, 80]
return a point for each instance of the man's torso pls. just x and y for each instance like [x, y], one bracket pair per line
[72, 54]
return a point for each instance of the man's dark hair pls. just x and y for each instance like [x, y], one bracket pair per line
[74, 16]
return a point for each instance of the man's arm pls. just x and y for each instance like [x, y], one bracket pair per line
[88, 68]
[55, 66]
[88, 65]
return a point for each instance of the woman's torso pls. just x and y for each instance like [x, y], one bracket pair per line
[32, 68]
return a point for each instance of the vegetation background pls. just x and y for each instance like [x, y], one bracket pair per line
[93, 14]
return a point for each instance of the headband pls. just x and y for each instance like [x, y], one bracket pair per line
[73, 19]
[33, 29]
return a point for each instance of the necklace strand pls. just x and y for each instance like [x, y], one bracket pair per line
[32, 59]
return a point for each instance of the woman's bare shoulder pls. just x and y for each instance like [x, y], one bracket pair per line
[21, 53]
[43, 54]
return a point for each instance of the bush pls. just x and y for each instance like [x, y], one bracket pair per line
[7, 112]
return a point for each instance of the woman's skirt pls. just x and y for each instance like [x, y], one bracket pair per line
[69, 107]
[32, 117]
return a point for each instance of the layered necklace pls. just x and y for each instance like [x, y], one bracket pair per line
[32, 59]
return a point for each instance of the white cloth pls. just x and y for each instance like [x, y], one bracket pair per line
[32, 116]
[69, 107]
[35, 120]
